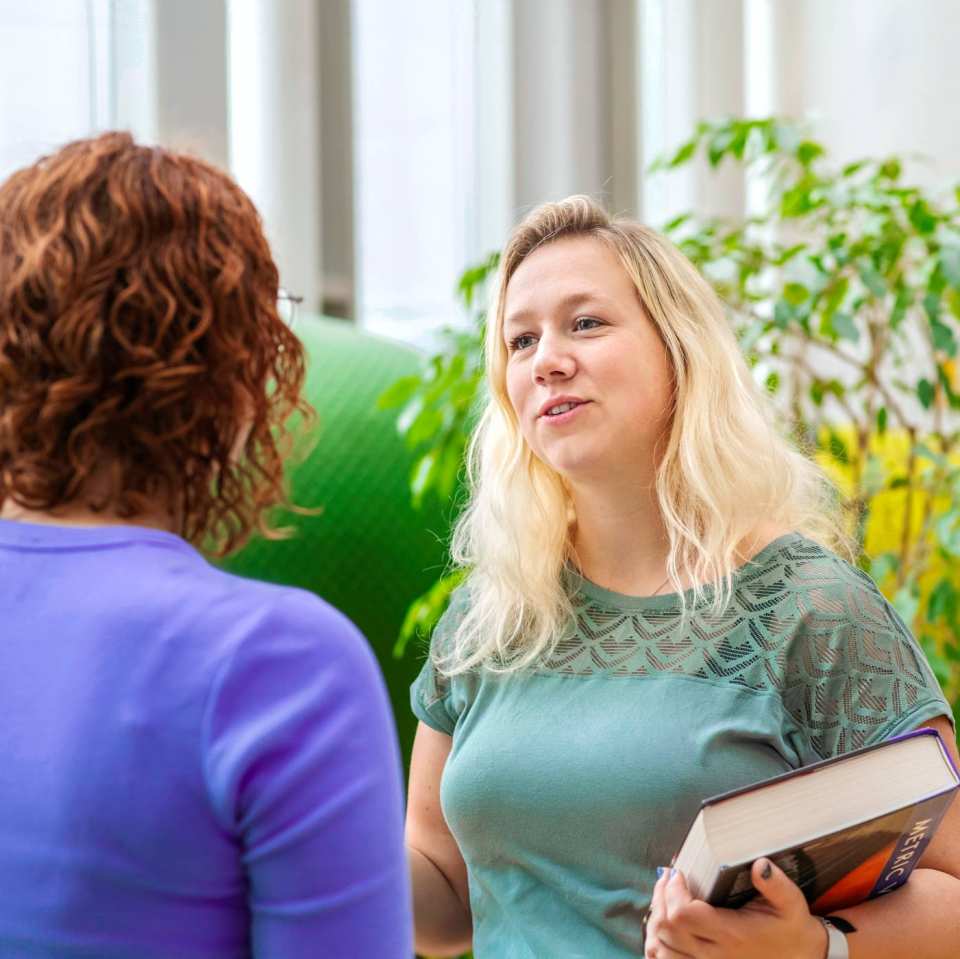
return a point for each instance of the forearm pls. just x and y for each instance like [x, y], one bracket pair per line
[921, 920]
[442, 922]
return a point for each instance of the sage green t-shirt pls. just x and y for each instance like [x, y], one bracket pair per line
[569, 783]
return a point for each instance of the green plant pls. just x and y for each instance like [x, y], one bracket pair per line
[437, 411]
[844, 290]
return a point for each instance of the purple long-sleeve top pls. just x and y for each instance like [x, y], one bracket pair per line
[192, 764]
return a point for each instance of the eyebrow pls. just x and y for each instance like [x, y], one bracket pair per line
[570, 302]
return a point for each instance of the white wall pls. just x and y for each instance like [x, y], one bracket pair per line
[51, 76]
[877, 77]
[272, 74]
[391, 144]
[411, 96]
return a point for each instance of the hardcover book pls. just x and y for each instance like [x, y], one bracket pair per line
[844, 830]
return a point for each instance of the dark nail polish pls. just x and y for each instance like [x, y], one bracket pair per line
[767, 870]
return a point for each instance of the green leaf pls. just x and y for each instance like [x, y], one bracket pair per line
[399, 392]
[922, 217]
[409, 415]
[882, 420]
[836, 295]
[845, 328]
[873, 281]
[952, 296]
[947, 529]
[873, 476]
[937, 281]
[447, 472]
[942, 602]
[891, 169]
[883, 565]
[772, 383]
[925, 393]
[939, 665]
[900, 307]
[741, 136]
[684, 154]
[718, 145]
[947, 386]
[906, 603]
[676, 222]
[798, 200]
[783, 134]
[420, 476]
[886, 256]
[795, 293]
[950, 264]
[923, 450]
[931, 306]
[425, 611]
[784, 256]
[425, 426]
[838, 449]
[473, 278]
[808, 151]
[943, 338]
[782, 314]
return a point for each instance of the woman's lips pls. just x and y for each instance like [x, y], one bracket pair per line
[561, 419]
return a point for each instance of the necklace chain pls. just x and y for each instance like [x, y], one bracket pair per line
[664, 583]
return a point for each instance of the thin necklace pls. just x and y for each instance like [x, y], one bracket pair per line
[664, 583]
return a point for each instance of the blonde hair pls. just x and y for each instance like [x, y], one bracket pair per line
[514, 537]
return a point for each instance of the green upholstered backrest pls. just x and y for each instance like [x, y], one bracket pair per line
[369, 553]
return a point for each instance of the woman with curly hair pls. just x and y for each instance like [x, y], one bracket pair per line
[654, 612]
[193, 764]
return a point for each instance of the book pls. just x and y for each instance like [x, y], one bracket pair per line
[844, 830]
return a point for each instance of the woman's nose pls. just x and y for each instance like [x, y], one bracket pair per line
[553, 360]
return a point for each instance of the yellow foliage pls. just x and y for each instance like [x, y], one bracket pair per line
[887, 457]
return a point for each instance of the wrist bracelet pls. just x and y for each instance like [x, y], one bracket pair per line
[837, 946]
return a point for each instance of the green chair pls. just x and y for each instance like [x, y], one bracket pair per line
[369, 553]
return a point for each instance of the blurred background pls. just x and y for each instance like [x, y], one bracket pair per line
[391, 146]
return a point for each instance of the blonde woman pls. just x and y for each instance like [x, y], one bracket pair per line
[653, 614]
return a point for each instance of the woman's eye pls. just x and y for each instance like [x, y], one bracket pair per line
[521, 342]
[586, 323]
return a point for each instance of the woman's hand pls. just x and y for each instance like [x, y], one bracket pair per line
[777, 923]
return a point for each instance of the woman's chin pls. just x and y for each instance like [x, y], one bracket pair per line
[578, 467]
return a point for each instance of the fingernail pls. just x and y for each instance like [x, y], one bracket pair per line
[660, 872]
[767, 870]
[673, 872]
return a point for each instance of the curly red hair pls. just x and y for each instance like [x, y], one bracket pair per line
[140, 341]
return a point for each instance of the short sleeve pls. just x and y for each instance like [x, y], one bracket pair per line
[303, 770]
[432, 696]
[855, 675]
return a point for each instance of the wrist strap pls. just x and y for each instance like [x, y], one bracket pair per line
[837, 946]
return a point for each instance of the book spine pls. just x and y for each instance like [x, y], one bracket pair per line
[912, 843]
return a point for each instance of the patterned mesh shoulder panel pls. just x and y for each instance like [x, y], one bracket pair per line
[802, 624]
